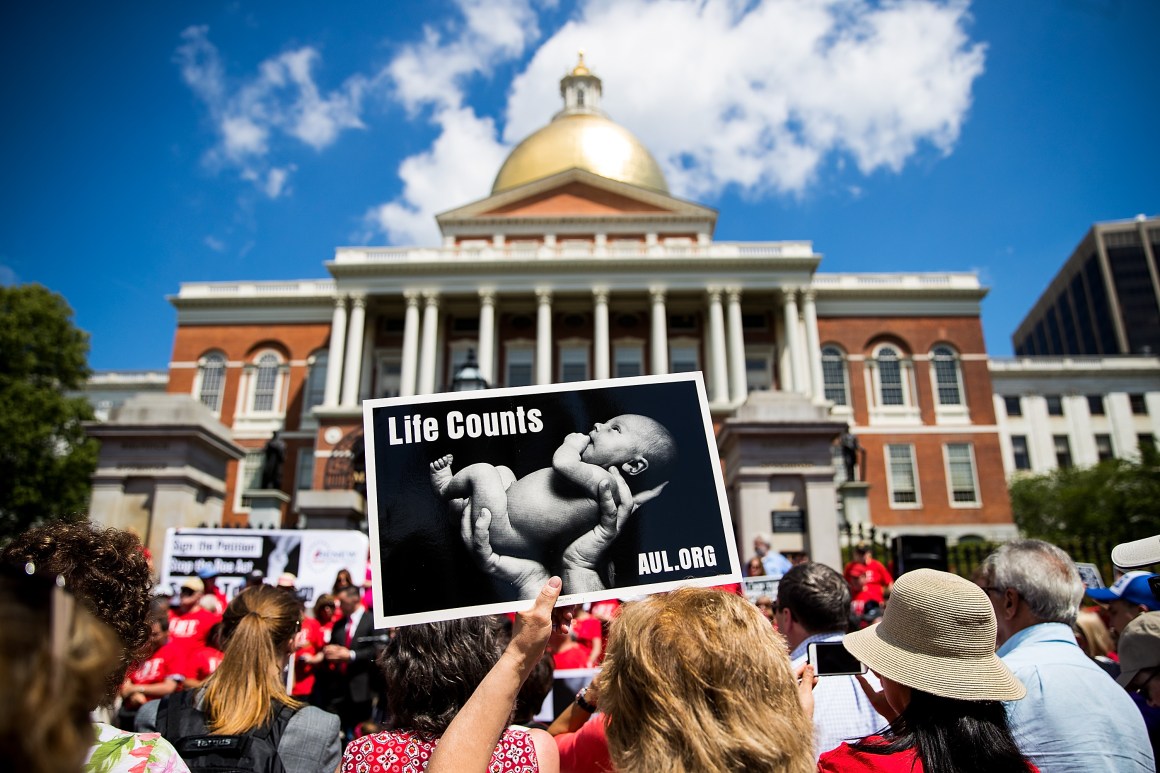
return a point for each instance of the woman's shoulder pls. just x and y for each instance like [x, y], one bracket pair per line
[313, 719]
[847, 759]
[119, 751]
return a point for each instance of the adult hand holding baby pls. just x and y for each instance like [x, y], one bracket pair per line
[526, 575]
[583, 557]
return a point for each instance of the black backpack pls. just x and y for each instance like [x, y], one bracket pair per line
[183, 725]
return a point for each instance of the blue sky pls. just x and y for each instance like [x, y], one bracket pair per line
[183, 141]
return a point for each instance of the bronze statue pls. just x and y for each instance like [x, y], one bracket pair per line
[850, 449]
[273, 455]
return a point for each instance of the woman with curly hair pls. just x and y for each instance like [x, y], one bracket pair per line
[246, 695]
[431, 670]
[108, 573]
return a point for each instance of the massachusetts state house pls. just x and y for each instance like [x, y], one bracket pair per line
[581, 265]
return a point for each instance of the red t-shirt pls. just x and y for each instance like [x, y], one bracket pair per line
[587, 630]
[188, 633]
[156, 668]
[576, 657]
[844, 759]
[204, 662]
[874, 576]
[310, 641]
[586, 750]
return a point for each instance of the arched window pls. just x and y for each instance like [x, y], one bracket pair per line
[266, 382]
[834, 375]
[948, 375]
[211, 380]
[891, 390]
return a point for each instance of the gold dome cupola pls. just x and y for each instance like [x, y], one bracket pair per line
[581, 136]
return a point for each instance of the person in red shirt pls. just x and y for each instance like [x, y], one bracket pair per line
[589, 632]
[189, 624]
[205, 660]
[152, 677]
[567, 652]
[308, 646]
[869, 580]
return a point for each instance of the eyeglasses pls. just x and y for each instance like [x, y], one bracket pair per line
[187, 591]
[989, 588]
[1140, 688]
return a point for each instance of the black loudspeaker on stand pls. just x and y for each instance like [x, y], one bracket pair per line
[919, 551]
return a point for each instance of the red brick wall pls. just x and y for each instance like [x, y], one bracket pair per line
[917, 335]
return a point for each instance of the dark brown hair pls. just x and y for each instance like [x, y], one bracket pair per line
[433, 668]
[105, 569]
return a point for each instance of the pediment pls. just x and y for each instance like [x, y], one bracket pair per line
[576, 193]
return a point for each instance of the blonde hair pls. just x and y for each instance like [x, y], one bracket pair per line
[1097, 640]
[46, 696]
[698, 680]
[256, 629]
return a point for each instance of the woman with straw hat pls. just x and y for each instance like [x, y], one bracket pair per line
[942, 683]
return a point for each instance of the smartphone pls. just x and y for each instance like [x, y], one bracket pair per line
[831, 659]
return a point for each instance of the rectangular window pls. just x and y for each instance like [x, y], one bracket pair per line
[249, 475]
[1054, 405]
[519, 367]
[1104, 447]
[1146, 440]
[1062, 451]
[758, 370]
[1014, 405]
[961, 474]
[903, 476]
[573, 363]
[628, 361]
[1019, 451]
[683, 359]
[304, 469]
[390, 376]
[1095, 405]
[1139, 408]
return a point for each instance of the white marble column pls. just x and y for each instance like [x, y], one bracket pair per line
[813, 344]
[543, 336]
[659, 338]
[337, 347]
[487, 335]
[718, 373]
[738, 386]
[600, 365]
[410, 365]
[792, 381]
[352, 373]
[429, 354]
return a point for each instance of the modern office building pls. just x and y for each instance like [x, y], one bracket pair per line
[1075, 411]
[1106, 298]
[579, 265]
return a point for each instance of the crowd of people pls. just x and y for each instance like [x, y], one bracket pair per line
[1001, 672]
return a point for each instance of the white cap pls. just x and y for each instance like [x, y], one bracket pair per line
[1141, 552]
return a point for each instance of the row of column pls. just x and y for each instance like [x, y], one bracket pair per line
[725, 348]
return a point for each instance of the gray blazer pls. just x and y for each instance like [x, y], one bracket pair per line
[310, 744]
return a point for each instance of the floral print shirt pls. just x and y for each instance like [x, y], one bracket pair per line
[119, 751]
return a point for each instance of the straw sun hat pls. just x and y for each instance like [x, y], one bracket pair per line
[938, 635]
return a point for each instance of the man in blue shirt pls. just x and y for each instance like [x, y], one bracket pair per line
[813, 605]
[1075, 718]
[775, 563]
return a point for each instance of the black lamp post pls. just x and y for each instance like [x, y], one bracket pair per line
[468, 378]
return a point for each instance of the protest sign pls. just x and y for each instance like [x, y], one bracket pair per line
[476, 498]
[756, 587]
[314, 556]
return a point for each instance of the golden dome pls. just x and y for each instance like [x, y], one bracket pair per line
[587, 141]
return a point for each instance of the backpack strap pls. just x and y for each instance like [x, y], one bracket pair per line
[273, 731]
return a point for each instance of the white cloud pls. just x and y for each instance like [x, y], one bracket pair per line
[8, 276]
[430, 74]
[254, 116]
[215, 244]
[758, 95]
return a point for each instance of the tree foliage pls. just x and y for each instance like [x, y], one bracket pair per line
[46, 459]
[1114, 500]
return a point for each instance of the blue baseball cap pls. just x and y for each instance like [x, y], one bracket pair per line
[1132, 588]
[207, 572]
